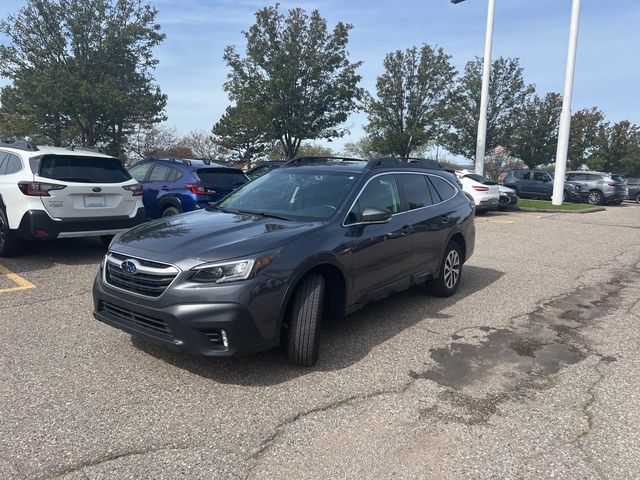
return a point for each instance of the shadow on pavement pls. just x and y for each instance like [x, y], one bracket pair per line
[344, 343]
[40, 255]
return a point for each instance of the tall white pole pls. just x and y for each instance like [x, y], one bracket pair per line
[565, 116]
[484, 99]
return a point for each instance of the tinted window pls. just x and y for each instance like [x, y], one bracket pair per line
[416, 190]
[161, 173]
[523, 174]
[445, 189]
[381, 192]
[221, 178]
[540, 177]
[592, 178]
[81, 169]
[258, 172]
[3, 162]
[14, 164]
[480, 179]
[139, 171]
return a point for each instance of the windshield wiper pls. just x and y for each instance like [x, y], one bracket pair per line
[264, 214]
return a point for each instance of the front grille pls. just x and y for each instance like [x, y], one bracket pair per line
[155, 324]
[151, 278]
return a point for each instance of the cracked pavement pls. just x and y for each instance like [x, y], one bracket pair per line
[531, 371]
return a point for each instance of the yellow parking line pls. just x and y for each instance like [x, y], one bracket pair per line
[505, 222]
[22, 283]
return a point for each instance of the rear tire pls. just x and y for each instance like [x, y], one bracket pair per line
[638, 198]
[595, 197]
[8, 244]
[170, 211]
[303, 344]
[448, 280]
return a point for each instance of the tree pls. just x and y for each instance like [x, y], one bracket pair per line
[295, 78]
[151, 139]
[202, 145]
[362, 148]
[583, 134]
[414, 100]
[535, 139]
[508, 94]
[307, 149]
[81, 70]
[240, 135]
[499, 161]
[617, 149]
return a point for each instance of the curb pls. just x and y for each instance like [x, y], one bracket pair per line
[550, 210]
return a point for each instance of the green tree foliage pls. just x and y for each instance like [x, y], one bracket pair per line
[586, 125]
[414, 100]
[295, 78]
[617, 149]
[508, 95]
[80, 70]
[535, 139]
[362, 148]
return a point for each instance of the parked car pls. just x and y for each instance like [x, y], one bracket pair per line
[508, 197]
[48, 192]
[263, 167]
[317, 237]
[483, 191]
[602, 187]
[633, 189]
[173, 186]
[539, 184]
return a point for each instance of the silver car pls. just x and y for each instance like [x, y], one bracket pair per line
[603, 187]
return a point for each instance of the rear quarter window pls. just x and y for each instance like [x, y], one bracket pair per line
[81, 169]
[444, 189]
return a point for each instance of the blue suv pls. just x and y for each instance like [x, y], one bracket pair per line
[173, 186]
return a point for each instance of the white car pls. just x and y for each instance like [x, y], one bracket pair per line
[484, 192]
[49, 192]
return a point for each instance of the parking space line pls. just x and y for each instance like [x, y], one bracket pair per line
[505, 222]
[22, 283]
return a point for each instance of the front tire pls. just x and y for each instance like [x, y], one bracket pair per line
[303, 343]
[448, 281]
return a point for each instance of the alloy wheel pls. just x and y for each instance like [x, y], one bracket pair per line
[451, 269]
[595, 198]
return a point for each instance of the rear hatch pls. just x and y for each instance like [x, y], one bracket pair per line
[86, 186]
[218, 182]
[492, 188]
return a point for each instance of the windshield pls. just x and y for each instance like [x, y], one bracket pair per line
[293, 193]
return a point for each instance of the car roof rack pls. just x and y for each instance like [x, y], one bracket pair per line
[405, 162]
[320, 159]
[19, 144]
[73, 148]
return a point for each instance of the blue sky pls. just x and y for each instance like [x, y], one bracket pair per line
[192, 72]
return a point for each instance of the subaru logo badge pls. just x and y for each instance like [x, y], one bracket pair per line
[97, 189]
[129, 266]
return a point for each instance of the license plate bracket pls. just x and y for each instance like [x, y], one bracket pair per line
[93, 200]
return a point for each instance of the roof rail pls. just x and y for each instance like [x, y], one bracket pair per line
[406, 162]
[19, 144]
[320, 159]
[73, 148]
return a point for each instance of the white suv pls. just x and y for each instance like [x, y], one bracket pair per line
[484, 192]
[48, 192]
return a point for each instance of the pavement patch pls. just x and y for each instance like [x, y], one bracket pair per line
[16, 281]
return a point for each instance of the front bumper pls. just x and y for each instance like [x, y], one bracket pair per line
[194, 324]
[37, 224]
[488, 204]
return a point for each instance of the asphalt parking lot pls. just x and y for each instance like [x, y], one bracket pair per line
[531, 371]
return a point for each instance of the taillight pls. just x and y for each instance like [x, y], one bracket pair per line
[199, 189]
[615, 184]
[38, 189]
[479, 188]
[136, 189]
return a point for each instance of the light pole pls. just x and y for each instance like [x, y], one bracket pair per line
[484, 98]
[565, 116]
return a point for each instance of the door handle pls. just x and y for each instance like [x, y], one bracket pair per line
[164, 187]
[406, 230]
[445, 218]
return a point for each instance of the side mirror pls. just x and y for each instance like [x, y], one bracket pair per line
[375, 215]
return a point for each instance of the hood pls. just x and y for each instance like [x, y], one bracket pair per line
[507, 190]
[209, 236]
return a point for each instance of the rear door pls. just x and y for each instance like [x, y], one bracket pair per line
[93, 186]
[160, 183]
[542, 186]
[219, 182]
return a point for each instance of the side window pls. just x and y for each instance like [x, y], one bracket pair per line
[416, 190]
[160, 173]
[139, 172]
[523, 175]
[174, 175]
[540, 176]
[381, 192]
[3, 162]
[444, 189]
[13, 164]
[593, 178]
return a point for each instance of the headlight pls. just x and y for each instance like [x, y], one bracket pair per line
[229, 271]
